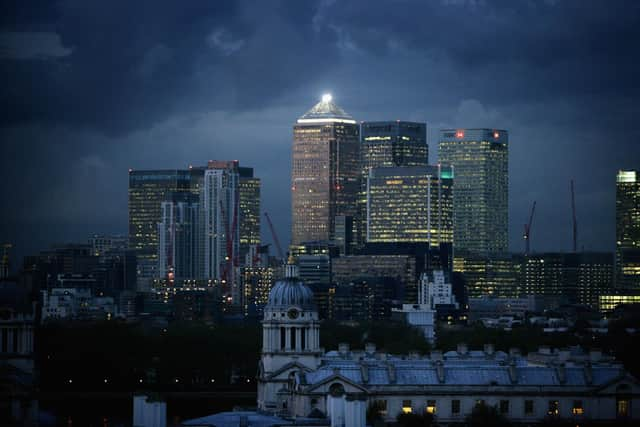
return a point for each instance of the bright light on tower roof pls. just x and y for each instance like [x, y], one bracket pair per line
[326, 97]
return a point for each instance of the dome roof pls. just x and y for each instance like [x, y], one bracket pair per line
[290, 292]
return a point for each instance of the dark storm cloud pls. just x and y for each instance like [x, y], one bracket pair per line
[91, 89]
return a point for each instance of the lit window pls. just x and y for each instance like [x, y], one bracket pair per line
[406, 407]
[577, 408]
[622, 408]
[431, 406]
[554, 408]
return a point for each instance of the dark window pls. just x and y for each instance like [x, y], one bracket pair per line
[293, 338]
[336, 389]
[504, 406]
[528, 407]
[554, 408]
[455, 406]
[303, 338]
[283, 338]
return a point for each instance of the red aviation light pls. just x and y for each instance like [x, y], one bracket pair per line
[496, 135]
[460, 134]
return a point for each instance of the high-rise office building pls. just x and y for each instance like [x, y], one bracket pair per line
[628, 229]
[178, 231]
[325, 171]
[220, 209]
[480, 160]
[387, 144]
[494, 275]
[218, 220]
[249, 190]
[395, 143]
[410, 204]
[575, 278]
[147, 190]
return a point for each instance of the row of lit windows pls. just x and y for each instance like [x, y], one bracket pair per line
[503, 407]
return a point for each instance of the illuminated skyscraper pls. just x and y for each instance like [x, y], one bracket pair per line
[387, 144]
[395, 143]
[147, 190]
[220, 209]
[480, 160]
[325, 171]
[249, 187]
[178, 231]
[628, 229]
[410, 204]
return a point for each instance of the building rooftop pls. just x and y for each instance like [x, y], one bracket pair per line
[471, 368]
[326, 111]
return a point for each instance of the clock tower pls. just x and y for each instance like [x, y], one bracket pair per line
[290, 339]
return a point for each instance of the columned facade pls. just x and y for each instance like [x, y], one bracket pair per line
[290, 340]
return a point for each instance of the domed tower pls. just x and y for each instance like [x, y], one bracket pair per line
[290, 339]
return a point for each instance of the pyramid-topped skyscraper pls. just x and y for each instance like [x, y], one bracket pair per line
[324, 173]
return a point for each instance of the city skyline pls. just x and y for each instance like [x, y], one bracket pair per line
[564, 107]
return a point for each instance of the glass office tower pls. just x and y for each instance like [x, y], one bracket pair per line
[249, 188]
[410, 204]
[325, 171]
[147, 190]
[628, 229]
[480, 160]
[387, 144]
[394, 143]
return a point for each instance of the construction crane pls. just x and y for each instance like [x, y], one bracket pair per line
[230, 260]
[527, 231]
[575, 221]
[275, 236]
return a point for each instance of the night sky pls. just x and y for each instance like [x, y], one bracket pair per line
[91, 89]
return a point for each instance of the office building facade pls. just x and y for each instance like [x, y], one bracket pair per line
[249, 193]
[628, 229]
[147, 190]
[387, 144]
[410, 204]
[178, 237]
[220, 210]
[393, 143]
[480, 160]
[325, 171]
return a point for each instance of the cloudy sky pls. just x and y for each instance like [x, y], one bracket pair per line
[91, 89]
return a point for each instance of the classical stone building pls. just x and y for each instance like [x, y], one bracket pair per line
[297, 379]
